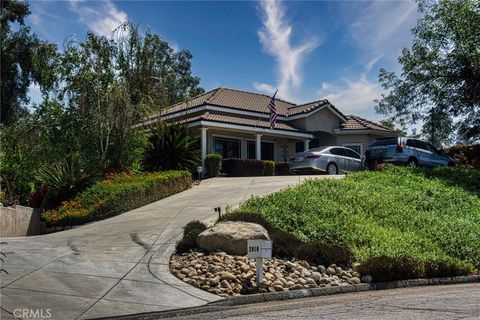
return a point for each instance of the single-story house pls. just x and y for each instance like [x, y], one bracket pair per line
[236, 124]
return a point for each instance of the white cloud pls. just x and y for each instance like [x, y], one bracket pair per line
[101, 18]
[264, 87]
[381, 27]
[275, 36]
[352, 96]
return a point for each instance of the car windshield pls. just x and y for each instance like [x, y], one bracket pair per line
[384, 142]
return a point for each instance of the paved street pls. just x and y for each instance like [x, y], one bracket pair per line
[460, 301]
[118, 265]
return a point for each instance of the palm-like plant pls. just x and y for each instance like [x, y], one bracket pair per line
[63, 181]
[171, 147]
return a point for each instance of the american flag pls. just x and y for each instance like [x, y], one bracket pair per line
[273, 111]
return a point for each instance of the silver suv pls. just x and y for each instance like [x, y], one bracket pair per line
[403, 150]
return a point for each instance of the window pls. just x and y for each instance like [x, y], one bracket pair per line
[357, 147]
[251, 150]
[267, 150]
[228, 148]
[384, 142]
[338, 152]
[299, 146]
[352, 154]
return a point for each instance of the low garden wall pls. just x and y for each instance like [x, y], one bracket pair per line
[19, 221]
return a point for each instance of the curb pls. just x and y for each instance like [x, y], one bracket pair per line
[317, 292]
[297, 294]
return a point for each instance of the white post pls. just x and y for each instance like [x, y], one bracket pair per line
[259, 265]
[258, 146]
[306, 144]
[204, 146]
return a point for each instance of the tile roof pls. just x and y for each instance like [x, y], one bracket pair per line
[231, 98]
[246, 101]
[253, 122]
[358, 123]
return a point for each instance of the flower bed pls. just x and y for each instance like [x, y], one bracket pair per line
[115, 194]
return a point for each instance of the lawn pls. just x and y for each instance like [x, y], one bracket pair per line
[429, 216]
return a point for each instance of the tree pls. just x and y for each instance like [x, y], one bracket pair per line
[24, 60]
[440, 79]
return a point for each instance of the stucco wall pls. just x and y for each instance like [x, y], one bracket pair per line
[323, 120]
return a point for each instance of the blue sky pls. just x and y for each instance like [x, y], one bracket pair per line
[309, 50]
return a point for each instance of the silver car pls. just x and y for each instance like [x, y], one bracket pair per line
[332, 160]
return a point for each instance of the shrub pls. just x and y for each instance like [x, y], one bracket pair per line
[234, 167]
[171, 147]
[117, 193]
[385, 268]
[63, 181]
[268, 168]
[190, 234]
[465, 154]
[282, 169]
[212, 165]
[286, 245]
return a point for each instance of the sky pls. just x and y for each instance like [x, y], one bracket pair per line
[309, 50]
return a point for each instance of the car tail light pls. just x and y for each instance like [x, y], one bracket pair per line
[399, 148]
[312, 156]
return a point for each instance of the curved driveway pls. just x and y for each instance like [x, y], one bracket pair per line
[118, 265]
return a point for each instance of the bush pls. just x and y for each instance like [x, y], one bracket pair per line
[286, 245]
[282, 169]
[212, 165]
[424, 215]
[268, 168]
[63, 181]
[190, 234]
[465, 154]
[234, 167]
[385, 268]
[171, 147]
[115, 194]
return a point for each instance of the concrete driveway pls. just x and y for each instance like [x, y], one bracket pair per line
[118, 265]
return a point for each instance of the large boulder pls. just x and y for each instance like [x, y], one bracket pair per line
[231, 236]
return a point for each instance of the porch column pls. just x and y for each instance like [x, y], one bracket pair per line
[258, 146]
[306, 144]
[204, 146]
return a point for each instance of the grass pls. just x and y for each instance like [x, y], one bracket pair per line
[427, 215]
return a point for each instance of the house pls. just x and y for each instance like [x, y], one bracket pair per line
[236, 124]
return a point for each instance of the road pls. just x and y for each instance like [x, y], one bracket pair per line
[461, 301]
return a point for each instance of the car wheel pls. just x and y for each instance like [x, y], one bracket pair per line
[332, 168]
[412, 163]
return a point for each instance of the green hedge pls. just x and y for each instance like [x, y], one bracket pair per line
[282, 169]
[115, 194]
[416, 218]
[213, 163]
[234, 167]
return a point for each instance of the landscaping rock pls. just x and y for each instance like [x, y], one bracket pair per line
[229, 275]
[231, 237]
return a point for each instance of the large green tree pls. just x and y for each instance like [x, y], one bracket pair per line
[440, 79]
[25, 59]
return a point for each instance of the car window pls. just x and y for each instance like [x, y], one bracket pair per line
[411, 143]
[338, 151]
[384, 142]
[422, 145]
[352, 154]
[432, 148]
